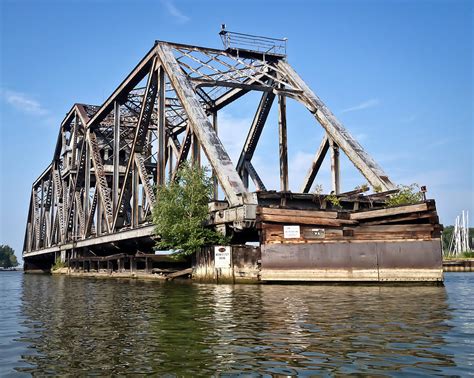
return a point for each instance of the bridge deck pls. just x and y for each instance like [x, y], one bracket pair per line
[145, 231]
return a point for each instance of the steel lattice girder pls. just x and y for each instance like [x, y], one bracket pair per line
[104, 154]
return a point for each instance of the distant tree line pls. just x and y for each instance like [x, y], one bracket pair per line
[448, 235]
[7, 257]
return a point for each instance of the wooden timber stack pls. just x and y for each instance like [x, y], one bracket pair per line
[400, 243]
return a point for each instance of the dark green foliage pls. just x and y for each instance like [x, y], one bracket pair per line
[447, 235]
[7, 257]
[181, 210]
[58, 264]
[407, 195]
[334, 200]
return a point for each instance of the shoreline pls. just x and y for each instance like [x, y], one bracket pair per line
[462, 264]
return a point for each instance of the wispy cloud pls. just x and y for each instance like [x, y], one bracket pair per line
[363, 105]
[23, 102]
[179, 16]
[232, 133]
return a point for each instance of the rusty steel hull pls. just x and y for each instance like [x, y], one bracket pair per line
[396, 261]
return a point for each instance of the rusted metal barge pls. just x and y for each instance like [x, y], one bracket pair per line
[95, 198]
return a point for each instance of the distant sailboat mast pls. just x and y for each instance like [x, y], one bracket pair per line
[460, 239]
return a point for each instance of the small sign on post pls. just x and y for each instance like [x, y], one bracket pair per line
[222, 255]
[291, 232]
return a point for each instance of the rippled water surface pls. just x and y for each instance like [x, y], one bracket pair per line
[57, 325]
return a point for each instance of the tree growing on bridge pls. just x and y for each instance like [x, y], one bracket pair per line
[7, 257]
[181, 210]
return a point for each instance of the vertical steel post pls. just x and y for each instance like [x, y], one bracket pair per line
[335, 179]
[196, 151]
[98, 223]
[116, 174]
[170, 162]
[135, 202]
[87, 178]
[41, 220]
[215, 181]
[161, 160]
[283, 143]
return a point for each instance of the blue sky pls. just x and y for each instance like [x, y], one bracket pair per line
[398, 74]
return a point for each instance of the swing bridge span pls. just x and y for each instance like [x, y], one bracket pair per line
[97, 194]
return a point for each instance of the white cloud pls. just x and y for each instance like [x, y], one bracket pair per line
[363, 105]
[23, 102]
[179, 16]
[232, 133]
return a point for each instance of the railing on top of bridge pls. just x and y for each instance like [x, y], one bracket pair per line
[233, 40]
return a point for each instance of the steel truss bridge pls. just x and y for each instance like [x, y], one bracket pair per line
[98, 191]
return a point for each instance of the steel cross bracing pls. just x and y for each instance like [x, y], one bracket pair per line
[108, 159]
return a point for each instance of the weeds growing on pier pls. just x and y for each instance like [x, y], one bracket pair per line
[407, 195]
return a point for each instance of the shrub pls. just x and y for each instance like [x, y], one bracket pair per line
[58, 264]
[407, 195]
[335, 202]
[181, 210]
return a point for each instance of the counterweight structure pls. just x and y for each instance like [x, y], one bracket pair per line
[99, 188]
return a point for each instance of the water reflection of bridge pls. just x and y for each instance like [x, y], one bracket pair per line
[136, 327]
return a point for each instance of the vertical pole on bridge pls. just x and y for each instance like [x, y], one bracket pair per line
[98, 226]
[116, 175]
[215, 181]
[170, 162]
[87, 181]
[135, 201]
[283, 143]
[41, 220]
[335, 175]
[161, 160]
[196, 151]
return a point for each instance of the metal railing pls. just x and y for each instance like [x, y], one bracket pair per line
[233, 40]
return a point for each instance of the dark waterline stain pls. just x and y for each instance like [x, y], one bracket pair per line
[66, 325]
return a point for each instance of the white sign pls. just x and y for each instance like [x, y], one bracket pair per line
[222, 256]
[291, 232]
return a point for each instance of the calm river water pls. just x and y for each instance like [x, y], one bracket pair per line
[58, 325]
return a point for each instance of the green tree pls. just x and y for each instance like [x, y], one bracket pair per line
[7, 257]
[181, 210]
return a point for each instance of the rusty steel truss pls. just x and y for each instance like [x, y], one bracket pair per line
[109, 158]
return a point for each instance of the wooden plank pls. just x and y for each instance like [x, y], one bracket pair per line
[293, 212]
[180, 273]
[289, 219]
[389, 211]
[429, 217]
[395, 228]
[274, 233]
